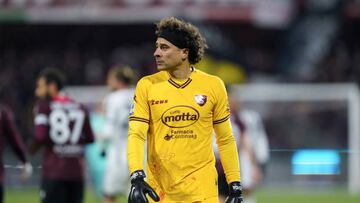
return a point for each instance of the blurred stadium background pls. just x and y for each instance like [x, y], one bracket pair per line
[295, 62]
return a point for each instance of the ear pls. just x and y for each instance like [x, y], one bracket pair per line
[184, 54]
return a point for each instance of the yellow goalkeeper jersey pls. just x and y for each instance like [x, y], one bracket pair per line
[177, 119]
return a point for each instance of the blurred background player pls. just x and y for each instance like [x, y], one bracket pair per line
[251, 173]
[117, 106]
[9, 134]
[256, 133]
[62, 128]
[250, 168]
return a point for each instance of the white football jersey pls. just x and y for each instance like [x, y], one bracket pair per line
[117, 106]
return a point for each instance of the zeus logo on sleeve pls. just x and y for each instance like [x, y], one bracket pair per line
[160, 101]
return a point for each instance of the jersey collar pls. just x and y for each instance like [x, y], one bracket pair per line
[62, 98]
[183, 85]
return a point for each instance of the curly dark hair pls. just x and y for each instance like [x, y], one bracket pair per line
[53, 75]
[194, 41]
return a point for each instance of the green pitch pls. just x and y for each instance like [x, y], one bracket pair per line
[32, 196]
[263, 196]
[296, 196]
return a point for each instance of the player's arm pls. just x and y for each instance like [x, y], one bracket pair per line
[138, 128]
[16, 142]
[109, 131]
[229, 159]
[41, 128]
[226, 143]
[246, 146]
[248, 149]
[227, 150]
[136, 140]
[139, 187]
[88, 134]
[13, 135]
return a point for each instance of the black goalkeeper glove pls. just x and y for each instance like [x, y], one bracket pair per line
[139, 189]
[235, 192]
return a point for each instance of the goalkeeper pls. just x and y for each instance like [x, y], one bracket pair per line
[175, 111]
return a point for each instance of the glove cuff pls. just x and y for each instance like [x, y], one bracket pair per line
[235, 189]
[136, 175]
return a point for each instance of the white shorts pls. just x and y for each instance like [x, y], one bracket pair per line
[116, 177]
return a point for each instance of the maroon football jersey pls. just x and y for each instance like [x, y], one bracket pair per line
[10, 135]
[62, 126]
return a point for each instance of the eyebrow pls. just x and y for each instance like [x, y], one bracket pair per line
[159, 44]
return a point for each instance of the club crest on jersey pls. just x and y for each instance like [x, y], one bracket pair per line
[201, 99]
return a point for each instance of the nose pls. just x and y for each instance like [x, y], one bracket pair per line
[157, 53]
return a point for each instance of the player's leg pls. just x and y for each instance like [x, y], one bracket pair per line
[111, 182]
[248, 179]
[116, 177]
[109, 195]
[95, 167]
[52, 191]
[75, 191]
[123, 174]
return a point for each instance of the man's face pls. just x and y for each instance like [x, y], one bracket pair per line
[167, 55]
[41, 90]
